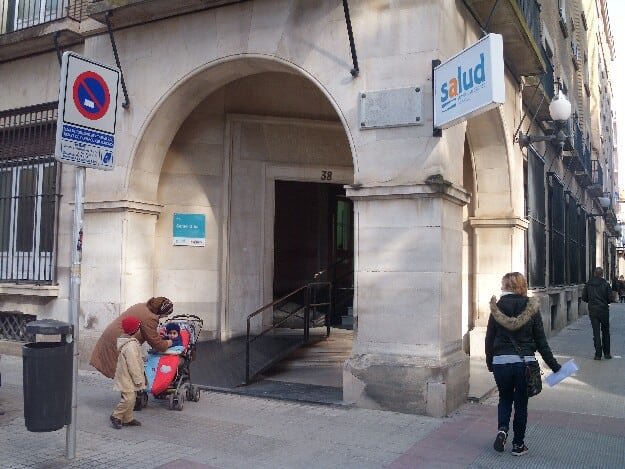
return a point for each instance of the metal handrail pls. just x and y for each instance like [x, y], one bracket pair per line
[310, 302]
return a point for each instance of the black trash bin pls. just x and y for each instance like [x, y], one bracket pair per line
[47, 368]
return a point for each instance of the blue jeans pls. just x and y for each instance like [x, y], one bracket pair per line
[510, 379]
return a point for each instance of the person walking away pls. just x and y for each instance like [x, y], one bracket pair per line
[621, 289]
[598, 295]
[104, 356]
[514, 318]
[129, 374]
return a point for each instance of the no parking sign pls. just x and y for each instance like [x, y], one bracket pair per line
[85, 133]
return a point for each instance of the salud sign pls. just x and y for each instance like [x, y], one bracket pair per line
[469, 83]
[85, 134]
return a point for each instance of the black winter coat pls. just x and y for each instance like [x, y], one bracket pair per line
[519, 316]
[598, 294]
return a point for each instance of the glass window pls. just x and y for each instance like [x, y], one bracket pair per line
[32, 12]
[28, 194]
[536, 233]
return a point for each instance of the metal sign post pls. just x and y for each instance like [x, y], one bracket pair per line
[85, 136]
[74, 303]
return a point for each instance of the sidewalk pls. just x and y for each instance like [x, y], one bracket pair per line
[580, 423]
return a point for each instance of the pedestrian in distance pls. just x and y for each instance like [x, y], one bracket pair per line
[621, 289]
[104, 356]
[598, 295]
[129, 374]
[514, 333]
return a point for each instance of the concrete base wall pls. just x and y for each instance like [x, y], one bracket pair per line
[406, 384]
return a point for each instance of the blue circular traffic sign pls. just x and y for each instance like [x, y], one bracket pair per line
[91, 95]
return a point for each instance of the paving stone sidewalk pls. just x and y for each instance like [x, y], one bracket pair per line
[580, 423]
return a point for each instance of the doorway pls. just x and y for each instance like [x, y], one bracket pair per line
[313, 239]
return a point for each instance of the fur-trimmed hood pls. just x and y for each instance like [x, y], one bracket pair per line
[514, 323]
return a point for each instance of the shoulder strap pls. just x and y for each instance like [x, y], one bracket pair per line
[514, 342]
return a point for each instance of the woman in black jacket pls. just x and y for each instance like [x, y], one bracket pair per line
[519, 316]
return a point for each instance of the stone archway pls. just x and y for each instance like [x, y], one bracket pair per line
[497, 222]
[168, 114]
[183, 164]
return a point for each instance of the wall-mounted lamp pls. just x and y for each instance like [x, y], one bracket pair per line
[560, 111]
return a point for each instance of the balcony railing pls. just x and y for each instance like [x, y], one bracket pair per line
[16, 15]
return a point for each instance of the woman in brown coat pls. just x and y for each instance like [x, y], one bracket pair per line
[104, 356]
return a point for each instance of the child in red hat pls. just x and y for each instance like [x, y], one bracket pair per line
[129, 374]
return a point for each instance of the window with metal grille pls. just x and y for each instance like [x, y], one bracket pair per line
[592, 245]
[572, 244]
[13, 326]
[16, 15]
[581, 242]
[535, 212]
[29, 194]
[556, 231]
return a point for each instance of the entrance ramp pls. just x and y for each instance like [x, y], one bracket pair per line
[310, 372]
[222, 364]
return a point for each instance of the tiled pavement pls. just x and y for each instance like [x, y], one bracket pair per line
[580, 423]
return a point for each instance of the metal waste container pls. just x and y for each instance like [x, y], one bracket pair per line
[47, 368]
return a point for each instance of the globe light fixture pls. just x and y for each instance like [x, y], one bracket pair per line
[560, 111]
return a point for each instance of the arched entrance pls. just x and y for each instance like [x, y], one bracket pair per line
[229, 157]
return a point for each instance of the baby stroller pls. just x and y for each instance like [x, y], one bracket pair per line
[169, 373]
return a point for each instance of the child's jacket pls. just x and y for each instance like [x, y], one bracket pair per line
[130, 372]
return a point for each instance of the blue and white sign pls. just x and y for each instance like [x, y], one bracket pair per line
[189, 229]
[87, 113]
[469, 83]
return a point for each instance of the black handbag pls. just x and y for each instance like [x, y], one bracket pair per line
[533, 378]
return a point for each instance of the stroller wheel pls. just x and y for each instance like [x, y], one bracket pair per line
[144, 399]
[179, 402]
[176, 401]
[195, 394]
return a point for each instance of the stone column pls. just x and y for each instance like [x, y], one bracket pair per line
[407, 354]
[499, 248]
[117, 263]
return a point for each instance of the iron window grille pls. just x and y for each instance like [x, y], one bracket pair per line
[29, 194]
[535, 212]
[16, 15]
[592, 245]
[13, 326]
[557, 258]
[581, 240]
[572, 241]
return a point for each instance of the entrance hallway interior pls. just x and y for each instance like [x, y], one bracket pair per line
[312, 245]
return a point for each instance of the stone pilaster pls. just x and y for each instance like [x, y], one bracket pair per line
[407, 353]
[499, 248]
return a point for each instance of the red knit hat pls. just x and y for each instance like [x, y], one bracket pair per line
[130, 325]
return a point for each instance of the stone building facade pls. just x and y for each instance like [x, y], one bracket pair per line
[249, 113]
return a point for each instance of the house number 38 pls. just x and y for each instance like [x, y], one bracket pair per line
[326, 175]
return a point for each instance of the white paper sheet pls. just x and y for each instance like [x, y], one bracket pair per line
[567, 370]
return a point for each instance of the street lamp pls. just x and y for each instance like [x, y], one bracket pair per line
[560, 111]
